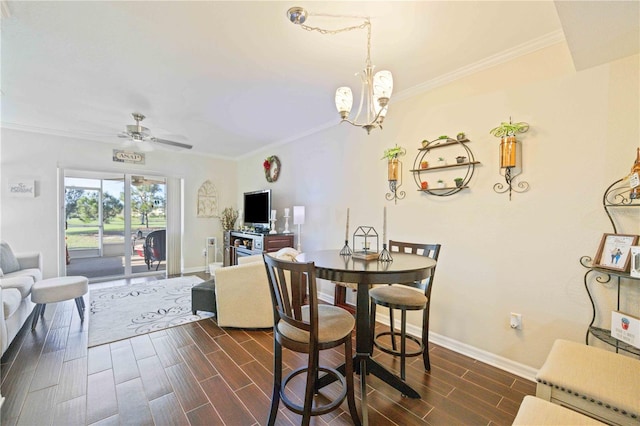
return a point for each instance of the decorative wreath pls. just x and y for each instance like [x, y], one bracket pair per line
[271, 168]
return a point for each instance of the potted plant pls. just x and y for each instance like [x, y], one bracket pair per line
[508, 143]
[392, 154]
[442, 161]
[461, 136]
[460, 159]
[424, 184]
[424, 164]
[440, 183]
[459, 181]
[228, 218]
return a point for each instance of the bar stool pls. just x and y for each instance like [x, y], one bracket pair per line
[307, 329]
[405, 297]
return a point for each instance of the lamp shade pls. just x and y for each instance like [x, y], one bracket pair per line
[383, 85]
[298, 215]
[344, 101]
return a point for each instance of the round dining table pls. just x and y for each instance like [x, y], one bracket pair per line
[403, 268]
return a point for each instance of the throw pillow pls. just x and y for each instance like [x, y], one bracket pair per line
[8, 261]
[287, 253]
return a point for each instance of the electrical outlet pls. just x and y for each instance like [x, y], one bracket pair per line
[204, 252]
[515, 321]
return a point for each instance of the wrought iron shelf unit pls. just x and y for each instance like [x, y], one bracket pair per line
[615, 196]
[423, 155]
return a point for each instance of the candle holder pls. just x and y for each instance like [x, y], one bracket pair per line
[362, 238]
[385, 255]
[273, 226]
[286, 225]
[346, 250]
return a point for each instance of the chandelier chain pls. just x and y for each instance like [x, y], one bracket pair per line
[366, 24]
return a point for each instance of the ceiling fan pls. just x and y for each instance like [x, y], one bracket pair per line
[138, 133]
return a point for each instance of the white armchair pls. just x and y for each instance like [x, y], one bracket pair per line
[243, 299]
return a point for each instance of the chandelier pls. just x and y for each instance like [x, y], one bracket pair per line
[376, 88]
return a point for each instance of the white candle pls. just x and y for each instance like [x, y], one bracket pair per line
[273, 214]
[286, 212]
[384, 226]
[346, 232]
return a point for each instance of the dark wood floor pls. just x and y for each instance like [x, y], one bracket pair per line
[200, 374]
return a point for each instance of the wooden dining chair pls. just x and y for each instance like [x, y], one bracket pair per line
[307, 329]
[405, 297]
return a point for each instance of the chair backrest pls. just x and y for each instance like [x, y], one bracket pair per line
[287, 282]
[155, 244]
[428, 250]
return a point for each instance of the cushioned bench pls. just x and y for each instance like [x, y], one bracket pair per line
[538, 412]
[58, 290]
[599, 383]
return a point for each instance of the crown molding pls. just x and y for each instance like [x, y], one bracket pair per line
[530, 46]
[76, 134]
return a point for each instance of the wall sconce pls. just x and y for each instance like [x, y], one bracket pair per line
[510, 157]
[394, 173]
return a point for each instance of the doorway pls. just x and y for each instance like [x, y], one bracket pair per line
[113, 224]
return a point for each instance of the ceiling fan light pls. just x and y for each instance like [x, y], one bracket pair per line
[383, 86]
[344, 101]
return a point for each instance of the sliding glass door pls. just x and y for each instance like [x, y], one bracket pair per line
[114, 224]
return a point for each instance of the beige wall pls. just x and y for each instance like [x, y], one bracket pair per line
[32, 223]
[498, 256]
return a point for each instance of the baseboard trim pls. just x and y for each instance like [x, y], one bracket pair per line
[513, 367]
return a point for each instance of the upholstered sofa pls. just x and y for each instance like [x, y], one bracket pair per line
[243, 298]
[15, 290]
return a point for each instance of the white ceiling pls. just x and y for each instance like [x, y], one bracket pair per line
[231, 77]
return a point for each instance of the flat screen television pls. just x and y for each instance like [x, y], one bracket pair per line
[257, 208]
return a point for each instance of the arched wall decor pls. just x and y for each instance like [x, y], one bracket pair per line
[207, 200]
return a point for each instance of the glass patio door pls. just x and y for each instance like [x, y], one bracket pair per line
[108, 218]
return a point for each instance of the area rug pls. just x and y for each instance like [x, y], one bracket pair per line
[117, 313]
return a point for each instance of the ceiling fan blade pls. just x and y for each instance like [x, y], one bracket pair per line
[172, 143]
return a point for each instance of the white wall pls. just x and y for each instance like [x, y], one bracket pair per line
[498, 256]
[32, 223]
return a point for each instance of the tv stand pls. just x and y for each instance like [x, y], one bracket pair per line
[244, 243]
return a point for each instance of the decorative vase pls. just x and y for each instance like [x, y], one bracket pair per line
[424, 185]
[508, 152]
[393, 166]
[440, 185]
[460, 159]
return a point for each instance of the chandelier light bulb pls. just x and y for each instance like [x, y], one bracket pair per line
[383, 86]
[344, 101]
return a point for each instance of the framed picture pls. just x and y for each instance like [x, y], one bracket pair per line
[613, 252]
[635, 261]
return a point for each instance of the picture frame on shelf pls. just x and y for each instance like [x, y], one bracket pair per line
[614, 251]
[634, 270]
